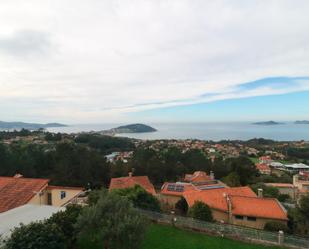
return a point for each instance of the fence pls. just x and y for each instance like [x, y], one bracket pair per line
[230, 231]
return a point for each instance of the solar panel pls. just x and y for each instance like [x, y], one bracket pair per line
[171, 187]
[180, 188]
[210, 187]
[175, 187]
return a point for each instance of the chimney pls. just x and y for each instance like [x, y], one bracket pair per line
[212, 175]
[18, 176]
[295, 180]
[229, 207]
[260, 193]
[130, 174]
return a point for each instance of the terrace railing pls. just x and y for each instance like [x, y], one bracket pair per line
[230, 231]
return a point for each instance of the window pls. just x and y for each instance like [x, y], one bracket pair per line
[239, 217]
[49, 199]
[250, 218]
[62, 195]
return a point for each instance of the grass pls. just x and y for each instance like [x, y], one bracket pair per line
[167, 237]
[254, 159]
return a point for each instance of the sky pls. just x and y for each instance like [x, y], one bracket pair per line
[104, 61]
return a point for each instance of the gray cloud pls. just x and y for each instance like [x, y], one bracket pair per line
[25, 43]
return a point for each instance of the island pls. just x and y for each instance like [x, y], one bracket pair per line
[131, 128]
[28, 126]
[301, 122]
[268, 123]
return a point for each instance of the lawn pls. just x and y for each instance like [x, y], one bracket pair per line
[254, 159]
[167, 237]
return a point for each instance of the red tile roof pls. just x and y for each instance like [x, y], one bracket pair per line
[258, 207]
[244, 202]
[265, 158]
[304, 174]
[262, 167]
[197, 176]
[131, 181]
[214, 197]
[15, 192]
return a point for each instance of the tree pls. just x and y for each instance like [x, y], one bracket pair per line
[65, 220]
[244, 167]
[196, 160]
[94, 196]
[268, 191]
[36, 236]
[201, 211]
[299, 216]
[140, 198]
[284, 198]
[182, 206]
[114, 222]
[304, 206]
[232, 180]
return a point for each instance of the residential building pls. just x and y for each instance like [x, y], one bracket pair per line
[171, 193]
[17, 191]
[265, 160]
[239, 206]
[296, 167]
[263, 168]
[301, 182]
[130, 181]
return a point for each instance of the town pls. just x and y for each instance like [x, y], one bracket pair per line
[256, 184]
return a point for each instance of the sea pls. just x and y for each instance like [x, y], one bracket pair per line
[205, 131]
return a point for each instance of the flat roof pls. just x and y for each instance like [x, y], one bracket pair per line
[24, 214]
[297, 166]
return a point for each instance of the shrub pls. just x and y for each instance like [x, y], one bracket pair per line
[139, 197]
[66, 220]
[182, 206]
[201, 211]
[275, 226]
[36, 236]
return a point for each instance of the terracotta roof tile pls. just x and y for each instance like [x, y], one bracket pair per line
[131, 181]
[244, 202]
[214, 197]
[262, 167]
[258, 207]
[15, 192]
[197, 176]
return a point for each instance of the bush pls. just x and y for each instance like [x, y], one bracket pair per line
[65, 220]
[283, 197]
[182, 206]
[94, 196]
[36, 236]
[275, 226]
[201, 211]
[140, 198]
[268, 191]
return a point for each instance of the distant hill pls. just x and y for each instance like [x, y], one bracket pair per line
[301, 122]
[268, 123]
[134, 128]
[131, 128]
[28, 126]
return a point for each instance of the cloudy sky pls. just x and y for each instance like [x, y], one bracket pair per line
[78, 61]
